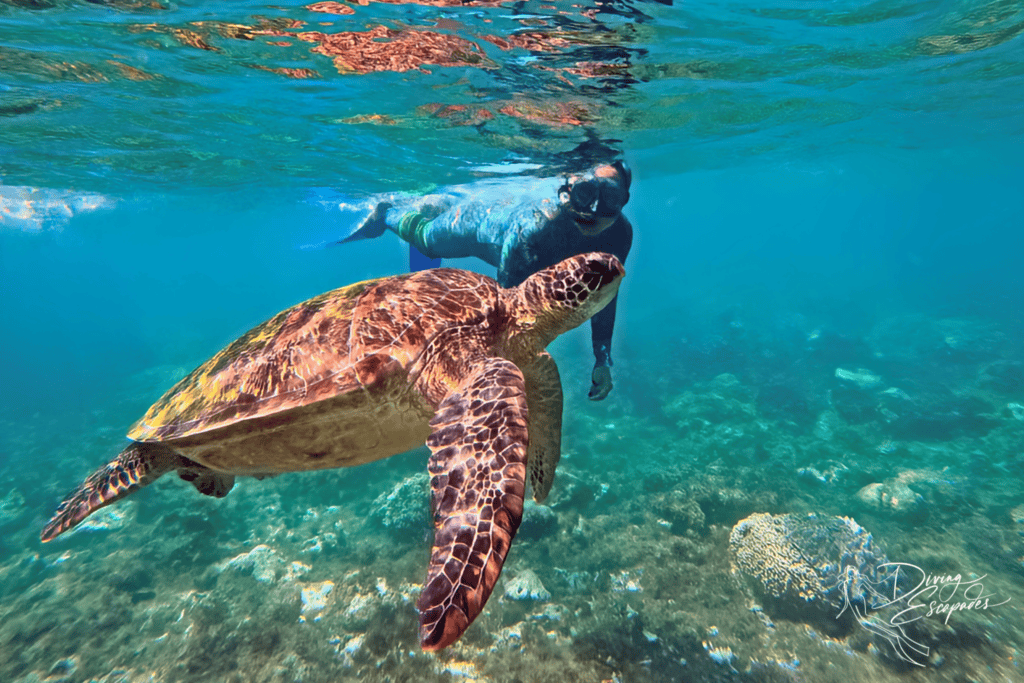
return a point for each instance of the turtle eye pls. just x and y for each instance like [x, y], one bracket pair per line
[592, 280]
[599, 274]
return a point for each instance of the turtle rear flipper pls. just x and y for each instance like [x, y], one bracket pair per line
[478, 467]
[206, 481]
[138, 465]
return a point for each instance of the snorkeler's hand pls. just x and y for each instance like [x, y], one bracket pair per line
[601, 383]
[374, 226]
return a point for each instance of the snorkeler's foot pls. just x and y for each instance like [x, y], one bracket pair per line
[600, 383]
[374, 226]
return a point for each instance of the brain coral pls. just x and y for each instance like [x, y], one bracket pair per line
[816, 558]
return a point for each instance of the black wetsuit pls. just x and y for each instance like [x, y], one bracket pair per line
[518, 232]
[545, 247]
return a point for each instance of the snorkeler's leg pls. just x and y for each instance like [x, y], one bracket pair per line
[411, 228]
[392, 209]
[409, 225]
[453, 233]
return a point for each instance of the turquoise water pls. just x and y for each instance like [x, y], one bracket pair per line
[822, 313]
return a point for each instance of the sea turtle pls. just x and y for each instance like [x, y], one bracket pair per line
[374, 369]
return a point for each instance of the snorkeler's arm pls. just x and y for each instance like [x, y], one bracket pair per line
[603, 323]
[601, 326]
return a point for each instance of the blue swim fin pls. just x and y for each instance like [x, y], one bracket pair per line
[419, 261]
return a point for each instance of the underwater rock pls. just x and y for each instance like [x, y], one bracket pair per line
[315, 599]
[908, 493]
[913, 338]
[724, 399]
[328, 541]
[526, 586]
[577, 582]
[552, 613]
[892, 496]
[723, 500]
[995, 542]
[577, 491]
[12, 508]
[865, 379]
[262, 562]
[1003, 376]
[826, 425]
[722, 656]
[360, 603]
[351, 649]
[826, 473]
[360, 611]
[681, 512]
[1017, 515]
[16, 577]
[811, 559]
[109, 519]
[406, 507]
[539, 521]
[130, 579]
[812, 475]
[941, 418]
[62, 671]
[970, 340]
[720, 419]
[853, 404]
[787, 398]
[895, 392]
[870, 495]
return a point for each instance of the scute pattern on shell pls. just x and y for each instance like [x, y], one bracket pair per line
[352, 338]
[296, 358]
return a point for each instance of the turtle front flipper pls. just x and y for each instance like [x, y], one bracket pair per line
[544, 394]
[478, 477]
[136, 466]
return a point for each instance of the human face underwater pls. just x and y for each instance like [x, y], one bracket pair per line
[596, 199]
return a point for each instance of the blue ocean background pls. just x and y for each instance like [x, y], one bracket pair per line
[816, 187]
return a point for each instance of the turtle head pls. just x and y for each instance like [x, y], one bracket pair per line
[563, 296]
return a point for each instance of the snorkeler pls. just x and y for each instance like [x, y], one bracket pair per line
[520, 232]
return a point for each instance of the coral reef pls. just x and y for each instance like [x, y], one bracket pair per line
[623, 574]
[12, 508]
[526, 586]
[406, 507]
[811, 558]
[680, 512]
